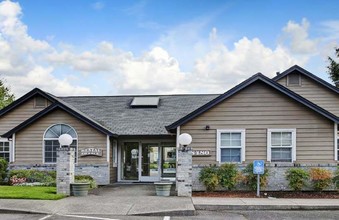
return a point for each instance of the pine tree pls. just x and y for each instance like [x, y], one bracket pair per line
[6, 96]
[333, 68]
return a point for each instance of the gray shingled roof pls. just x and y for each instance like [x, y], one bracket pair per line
[115, 113]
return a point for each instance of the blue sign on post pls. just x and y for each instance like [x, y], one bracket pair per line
[258, 167]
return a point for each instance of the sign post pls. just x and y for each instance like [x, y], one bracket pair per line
[258, 168]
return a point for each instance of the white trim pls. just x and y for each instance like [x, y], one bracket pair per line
[10, 147]
[119, 161]
[243, 143]
[108, 147]
[177, 143]
[294, 140]
[335, 141]
[13, 148]
[115, 153]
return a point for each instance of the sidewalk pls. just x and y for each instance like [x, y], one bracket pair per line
[141, 200]
[214, 204]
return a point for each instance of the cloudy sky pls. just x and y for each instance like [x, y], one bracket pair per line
[89, 47]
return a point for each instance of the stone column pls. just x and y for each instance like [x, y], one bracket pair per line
[65, 170]
[184, 173]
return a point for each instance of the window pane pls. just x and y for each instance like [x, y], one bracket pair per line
[235, 143]
[230, 139]
[281, 154]
[286, 139]
[230, 154]
[56, 129]
[276, 138]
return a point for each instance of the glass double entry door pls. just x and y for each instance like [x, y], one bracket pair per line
[147, 162]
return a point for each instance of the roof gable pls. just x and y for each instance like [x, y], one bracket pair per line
[241, 86]
[56, 103]
[25, 98]
[304, 72]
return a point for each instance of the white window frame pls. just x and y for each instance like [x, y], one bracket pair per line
[269, 142]
[10, 159]
[219, 147]
[53, 139]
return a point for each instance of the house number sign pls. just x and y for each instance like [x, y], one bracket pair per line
[91, 152]
[201, 153]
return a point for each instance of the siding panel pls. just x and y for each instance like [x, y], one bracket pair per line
[316, 93]
[257, 108]
[29, 141]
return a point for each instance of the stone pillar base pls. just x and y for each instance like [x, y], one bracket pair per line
[65, 170]
[184, 174]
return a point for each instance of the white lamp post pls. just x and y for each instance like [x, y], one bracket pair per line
[65, 140]
[184, 140]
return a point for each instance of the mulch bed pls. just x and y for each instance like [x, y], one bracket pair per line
[277, 194]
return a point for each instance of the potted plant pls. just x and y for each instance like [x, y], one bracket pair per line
[163, 188]
[82, 184]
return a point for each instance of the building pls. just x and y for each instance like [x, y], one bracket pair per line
[290, 120]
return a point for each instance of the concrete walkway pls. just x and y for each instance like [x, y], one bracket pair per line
[141, 200]
[110, 200]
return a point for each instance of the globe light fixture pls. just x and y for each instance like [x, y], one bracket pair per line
[65, 140]
[184, 140]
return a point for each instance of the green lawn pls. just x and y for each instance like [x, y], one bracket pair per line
[29, 192]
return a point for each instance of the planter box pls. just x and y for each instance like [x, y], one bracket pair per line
[163, 188]
[80, 189]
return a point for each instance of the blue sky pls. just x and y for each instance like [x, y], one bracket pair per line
[144, 47]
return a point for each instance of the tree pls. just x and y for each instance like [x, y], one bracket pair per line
[6, 96]
[333, 68]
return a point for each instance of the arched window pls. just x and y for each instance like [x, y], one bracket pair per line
[51, 142]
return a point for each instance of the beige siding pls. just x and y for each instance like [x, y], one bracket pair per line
[29, 141]
[316, 93]
[257, 108]
[18, 115]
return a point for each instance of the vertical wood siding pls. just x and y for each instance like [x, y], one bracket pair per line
[257, 108]
[316, 93]
[18, 115]
[29, 141]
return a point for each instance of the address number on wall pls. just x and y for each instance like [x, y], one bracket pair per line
[201, 153]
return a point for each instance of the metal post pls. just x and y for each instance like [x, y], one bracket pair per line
[258, 185]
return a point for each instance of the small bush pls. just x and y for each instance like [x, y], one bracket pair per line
[85, 179]
[209, 177]
[47, 178]
[3, 170]
[321, 178]
[297, 178]
[228, 175]
[336, 178]
[250, 179]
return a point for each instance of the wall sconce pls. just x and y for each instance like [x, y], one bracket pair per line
[207, 127]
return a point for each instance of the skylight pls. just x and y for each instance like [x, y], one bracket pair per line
[145, 102]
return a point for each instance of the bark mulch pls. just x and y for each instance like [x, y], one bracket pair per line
[276, 194]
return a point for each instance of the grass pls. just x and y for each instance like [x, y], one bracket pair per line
[29, 192]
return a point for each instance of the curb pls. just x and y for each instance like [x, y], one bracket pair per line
[17, 211]
[168, 213]
[263, 207]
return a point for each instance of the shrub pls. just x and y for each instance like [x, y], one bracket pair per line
[336, 178]
[297, 178]
[3, 170]
[47, 178]
[85, 179]
[321, 178]
[250, 179]
[209, 177]
[228, 175]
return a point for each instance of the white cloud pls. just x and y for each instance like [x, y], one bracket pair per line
[210, 66]
[98, 5]
[21, 57]
[297, 35]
